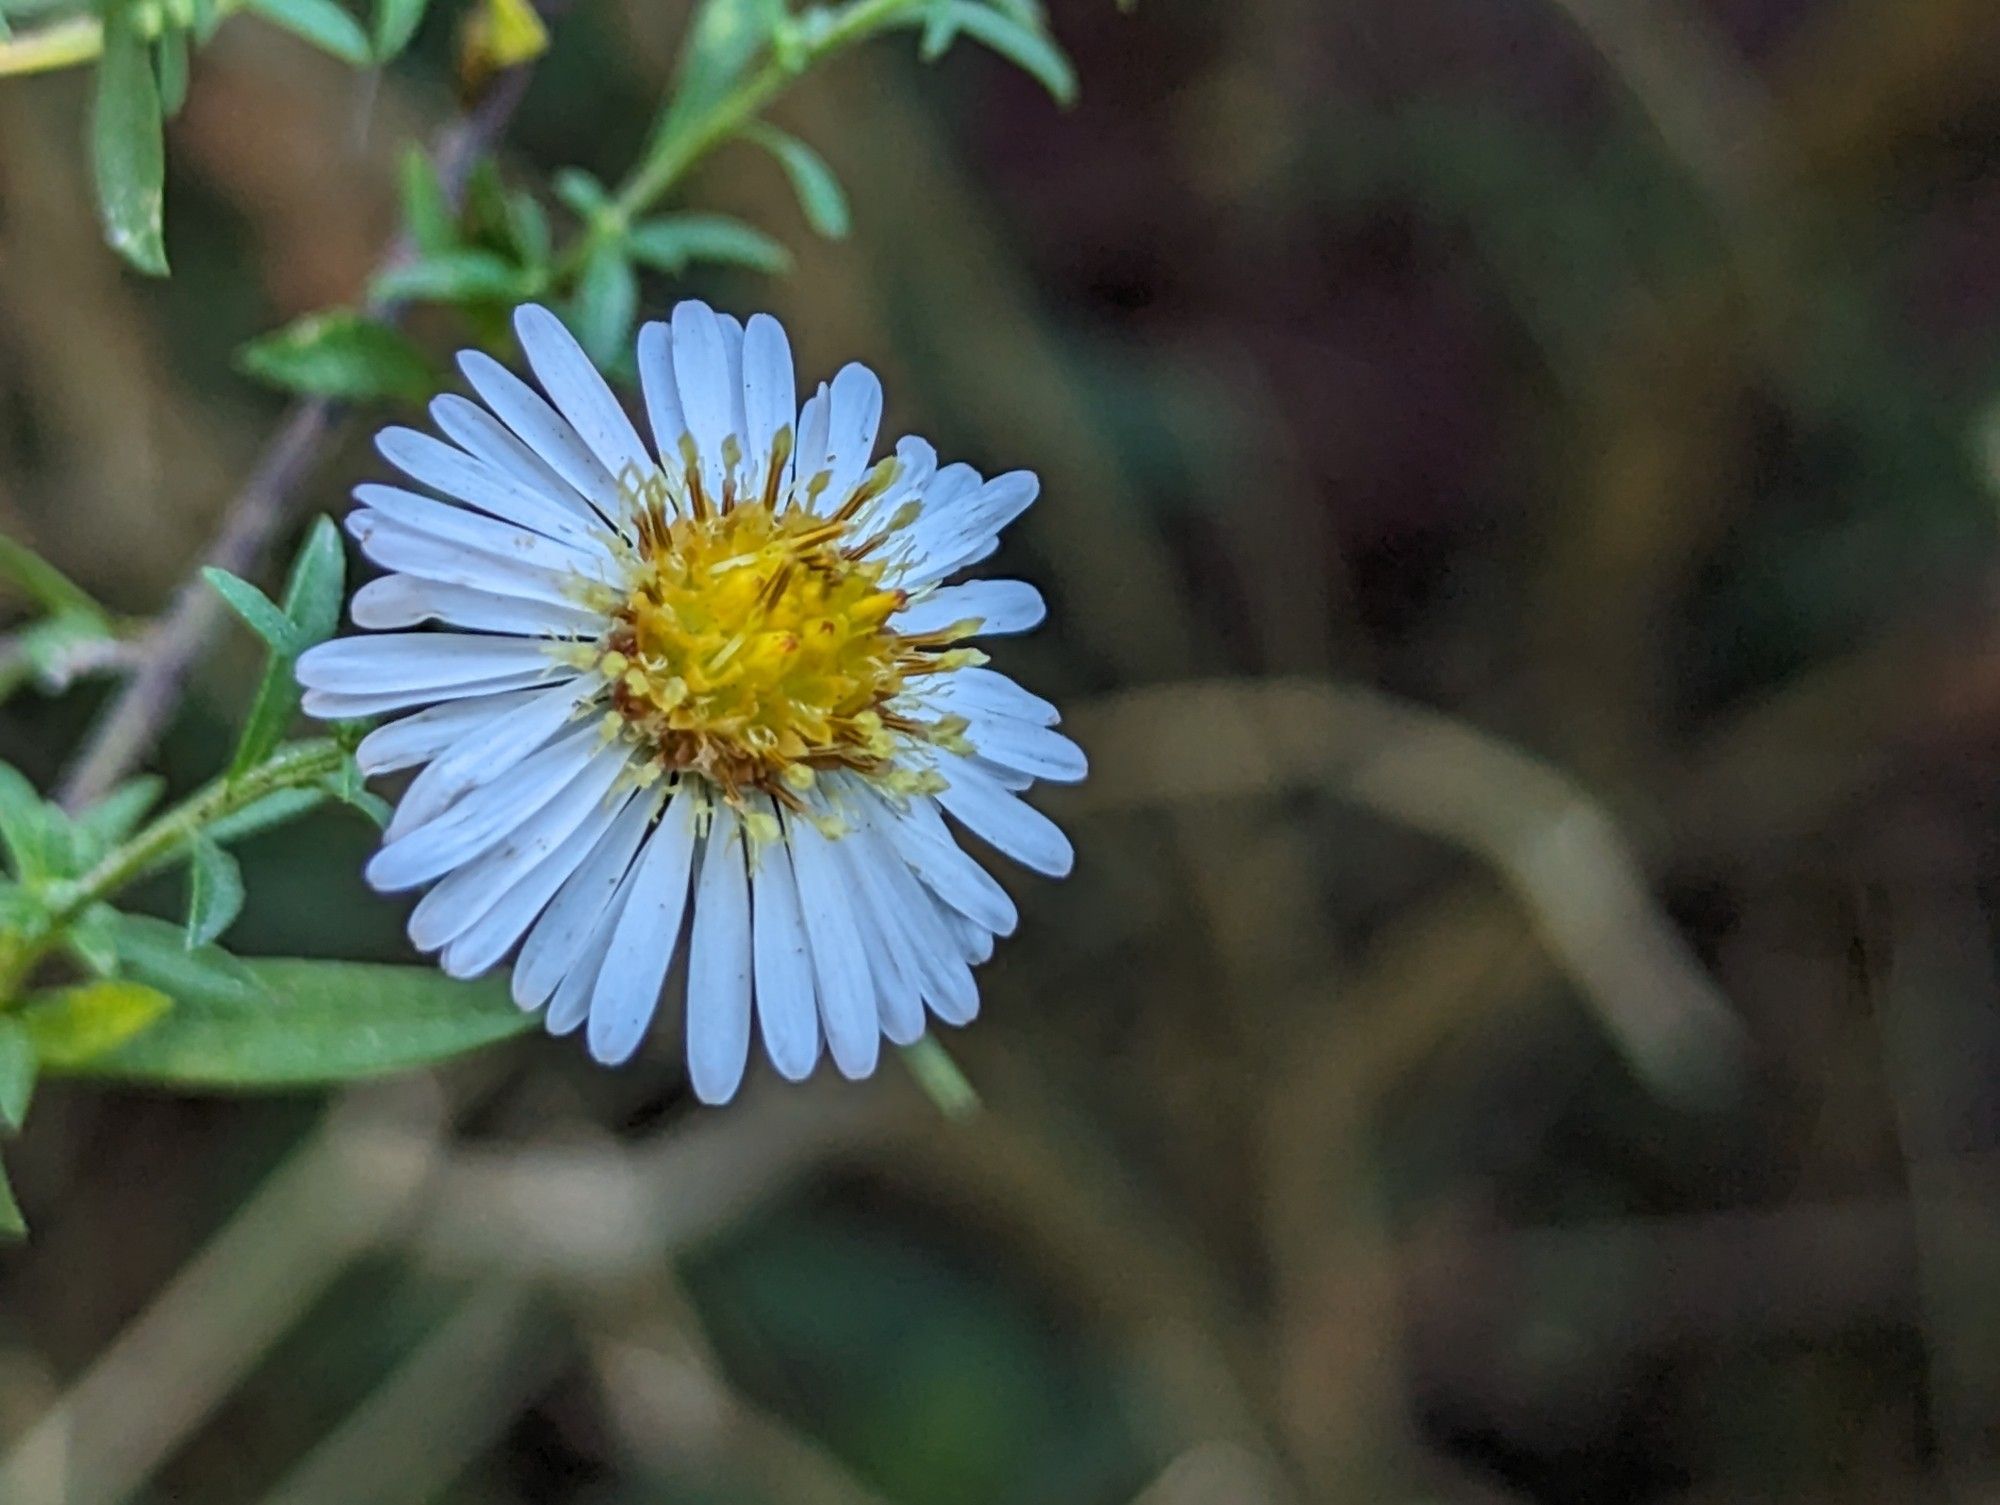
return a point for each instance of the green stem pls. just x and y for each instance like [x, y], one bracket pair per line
[673, 157]
[291, 767]
[294, 766]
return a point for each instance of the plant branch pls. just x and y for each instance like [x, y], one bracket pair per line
[139, 714]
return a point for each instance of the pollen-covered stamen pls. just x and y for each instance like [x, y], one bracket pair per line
[751, 648]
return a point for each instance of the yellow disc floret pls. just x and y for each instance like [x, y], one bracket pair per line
[752, 646]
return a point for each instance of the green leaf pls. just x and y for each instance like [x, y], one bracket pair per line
[33, 831]
[256, 609]
[215, 892]
[12, 1224]
[431, 223]
[396, 23]
[322, 23]
[44, 584]
[127, 152]
[311, 614]
[819, 192]
[17, 1073]
[350, 787]
[940, 30]
[528, 229]
[170, 63]
[341, 354]
[722, 41]
[607, 301]
[115, 817]
[274, 809]
[1025, 45]
[207, 16]
[263, 1024]
[73, 1027]
[582, 193]
[91, 939]
[673, 241]
[455, 277]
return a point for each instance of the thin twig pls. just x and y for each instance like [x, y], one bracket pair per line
[137, 717]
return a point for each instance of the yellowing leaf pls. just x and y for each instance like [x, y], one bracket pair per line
[72, 1027]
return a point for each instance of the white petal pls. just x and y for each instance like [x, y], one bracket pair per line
[419, 738]
[486, 535]
[408, 601]
[928, 947]
[782, 964]
[975, 941]
[559, 936]
[994, 606]
[718, 982]
[571, 1004]
[465, 896]
[544, 430]
[899, 1002]
[481, 947]
[398, 546]
[487, 814]
[1039, 752]
[977, 693]
[701, 374]
[484, 753]
[480, 434]
[581, 395]
[732, 355]
[854, 417]
[950, 537]
[1007, 778]
[477, 484]
[1006, 822]
[331, 705]
[417, 660]
[628, 988]
[809, 459]
[846, 984]
[662, 393]
[922, 841]
[770, 396]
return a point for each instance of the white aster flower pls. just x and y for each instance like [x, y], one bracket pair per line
[720, 688]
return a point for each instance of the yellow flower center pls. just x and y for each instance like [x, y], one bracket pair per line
[752, 646]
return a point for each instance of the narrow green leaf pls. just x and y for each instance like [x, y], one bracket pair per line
[73, 1027]
[170, 63]
[322, 23]
[940, 30]
[207, 16]
[350, 787]
[341, 354]
[396, 23]
[1026, 46]
[528, 229]
[941, 1079]
[12, 1224]
[722, 40]
[431, 223]
[265, 1024]
[91, 939]
[581, 193]
[17, 1073]
[127, 152]
[115, 817]
[672, 242]
[256, 609]
[30, 830]
[819, 192]
[215, 892]
[311, 613]
[607, 301]
[275, 809]
[455, 277]
[43, 583]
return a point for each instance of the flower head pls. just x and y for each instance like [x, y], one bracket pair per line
[716, 687]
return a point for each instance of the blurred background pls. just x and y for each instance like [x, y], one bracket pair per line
[1519, 496]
